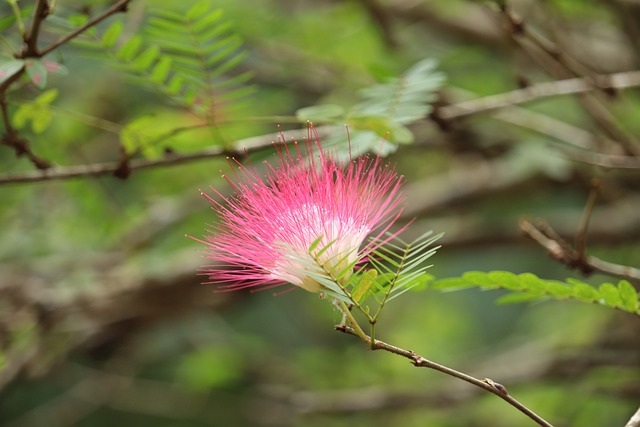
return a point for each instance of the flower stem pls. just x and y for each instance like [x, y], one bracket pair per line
[421, 362]
[355, 327]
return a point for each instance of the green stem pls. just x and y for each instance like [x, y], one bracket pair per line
[18, 14]
[354, 323]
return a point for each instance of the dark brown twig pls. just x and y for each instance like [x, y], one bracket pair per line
[12, 139]
[580, 241]
[560, 65]
[561, 251]
[421, 362]
[120, 6]
[572, 86]
[41, 11]
[99, 169]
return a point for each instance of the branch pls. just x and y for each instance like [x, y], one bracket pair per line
[98, 169]
[561, 251]
[561, 65]
[120, 6]
[635, 420]
[539, 91]
[30, 49]
[12, 139]
[419, 361]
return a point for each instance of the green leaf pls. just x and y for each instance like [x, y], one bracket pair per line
[519, 297]
[161, 70]
[129, 49]
[78, 19]
[175, 85]
[41, 120]
[47, 97]
[610, 295]
[146, 59]
[110, 37]
[23, 115]
[139, 136]
[558, 289]
[584, 291]
[506, 280]
[405, 99]
[37, 73]
[321, 113]
[628, 296]
[363, 286]
[529, 287]
[9, 67]
[37, 113]
[531, 283]
[479, 278]
[198, 10]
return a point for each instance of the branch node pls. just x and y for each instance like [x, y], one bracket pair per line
[499, 388]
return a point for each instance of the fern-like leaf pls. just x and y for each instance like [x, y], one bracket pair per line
[378, 122]
[405, 262]
[528, 287]
[203, 50]
[188, 57]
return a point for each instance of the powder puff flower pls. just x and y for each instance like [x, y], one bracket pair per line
[307, 212]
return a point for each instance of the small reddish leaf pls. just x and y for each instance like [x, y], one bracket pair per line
[37, 73]
[55, 67]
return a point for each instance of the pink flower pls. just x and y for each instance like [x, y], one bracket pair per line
[267, 228]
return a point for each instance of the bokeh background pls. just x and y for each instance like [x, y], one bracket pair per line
[104, 322]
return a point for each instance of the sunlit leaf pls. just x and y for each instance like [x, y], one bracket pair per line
[628, 296]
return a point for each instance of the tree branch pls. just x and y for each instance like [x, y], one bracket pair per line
[98, 169]
[120, 6]
[539, 91]
[41, 11]
[421, 362]
[561, 251]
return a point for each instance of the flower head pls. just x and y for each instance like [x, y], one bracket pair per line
[307, 212]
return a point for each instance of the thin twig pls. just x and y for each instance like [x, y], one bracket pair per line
[539, 91]
[559, 251]
[98, 169]
[561, 65]
[41, 11]
[419, 361]
[12, 139]
[120, 6]
[580, 241]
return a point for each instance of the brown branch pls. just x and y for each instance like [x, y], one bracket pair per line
[99, 169]
[580, 241]
[12, 139]
[120, 6]
[41, 11]
[561, 251]
[539, 91]
[421, 362]
[561, 65]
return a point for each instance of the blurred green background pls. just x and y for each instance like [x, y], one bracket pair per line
[103, 320]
